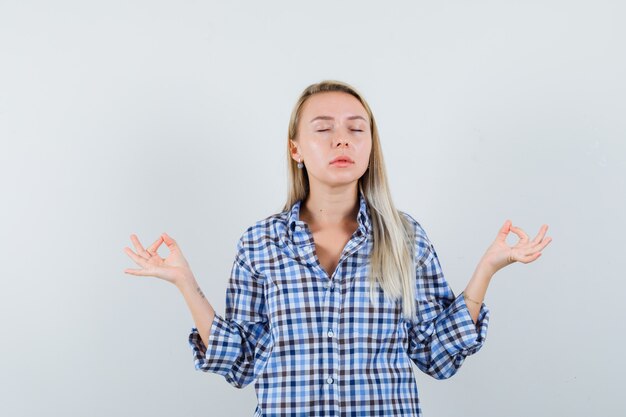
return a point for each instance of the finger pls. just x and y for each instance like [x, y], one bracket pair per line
[138, 259]
[139, 247]
[531, 258]
[140, 272]
[519, 232]
[504, 231]
[171, 243]
[155, 246]
[523, 255]
[540, 235]
[543, 244]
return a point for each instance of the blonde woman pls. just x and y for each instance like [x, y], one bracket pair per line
[331, 300]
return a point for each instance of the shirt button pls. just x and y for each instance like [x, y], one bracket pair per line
[298, 228]
[330, 333]
[330, 380]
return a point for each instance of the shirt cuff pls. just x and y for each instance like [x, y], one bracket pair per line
[457, 332]
[218, 356]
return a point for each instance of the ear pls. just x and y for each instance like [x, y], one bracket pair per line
[293, 147]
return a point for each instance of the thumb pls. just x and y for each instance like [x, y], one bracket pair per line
[171, 243]
[504, 231]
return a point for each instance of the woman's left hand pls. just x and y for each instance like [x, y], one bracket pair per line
[499, 254]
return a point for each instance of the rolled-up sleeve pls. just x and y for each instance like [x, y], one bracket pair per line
[240, 342]
[443, 333]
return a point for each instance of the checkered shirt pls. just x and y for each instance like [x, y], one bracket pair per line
[315, 345]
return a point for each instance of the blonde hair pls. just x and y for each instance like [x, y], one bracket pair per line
[391, 259]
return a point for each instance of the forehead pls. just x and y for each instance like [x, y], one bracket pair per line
[332, 103]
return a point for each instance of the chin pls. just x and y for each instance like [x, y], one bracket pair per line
[341, 180]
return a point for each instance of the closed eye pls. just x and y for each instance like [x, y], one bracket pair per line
[325, 130]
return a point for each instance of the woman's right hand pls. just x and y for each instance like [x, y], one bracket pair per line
[174, 268]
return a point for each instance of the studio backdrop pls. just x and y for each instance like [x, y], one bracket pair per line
[171, 116]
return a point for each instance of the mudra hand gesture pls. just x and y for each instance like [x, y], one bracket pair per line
[499, 254]
[173, 269]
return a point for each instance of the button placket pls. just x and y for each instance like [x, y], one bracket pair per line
[333, 307]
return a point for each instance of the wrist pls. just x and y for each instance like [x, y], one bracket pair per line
[185, 282]
[486, 270]
[478, 303]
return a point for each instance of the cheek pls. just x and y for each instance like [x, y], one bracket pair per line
[365, 148]
[314, 154]
[317, 149]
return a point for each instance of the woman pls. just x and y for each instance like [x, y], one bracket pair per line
[330, 300]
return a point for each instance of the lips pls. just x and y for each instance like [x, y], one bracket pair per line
[342, 158]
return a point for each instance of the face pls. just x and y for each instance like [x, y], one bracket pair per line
[333, 124]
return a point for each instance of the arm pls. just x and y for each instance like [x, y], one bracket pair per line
[201, 311]
[448, 330]
[236, 346]
[476, 289]
[444, 333]
[240, 342]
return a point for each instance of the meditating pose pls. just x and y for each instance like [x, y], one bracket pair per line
[332, 299]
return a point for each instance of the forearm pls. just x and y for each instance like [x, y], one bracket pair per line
[201, 311]
[477, 288]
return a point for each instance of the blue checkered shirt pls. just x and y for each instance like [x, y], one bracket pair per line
[317, 346]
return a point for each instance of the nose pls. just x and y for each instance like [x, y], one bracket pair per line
[340, 142]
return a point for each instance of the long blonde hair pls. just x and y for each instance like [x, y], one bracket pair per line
[391, 259]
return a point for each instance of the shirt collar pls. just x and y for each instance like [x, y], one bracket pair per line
[294, 224]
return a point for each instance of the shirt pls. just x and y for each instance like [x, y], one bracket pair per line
[315, 345]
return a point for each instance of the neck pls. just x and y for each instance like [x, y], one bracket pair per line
[330, 206]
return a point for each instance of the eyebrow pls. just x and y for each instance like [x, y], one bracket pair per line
[332, 118]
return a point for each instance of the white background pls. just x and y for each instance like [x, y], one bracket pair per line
[171, 116]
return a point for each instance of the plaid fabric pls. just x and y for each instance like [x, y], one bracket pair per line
[316, 345]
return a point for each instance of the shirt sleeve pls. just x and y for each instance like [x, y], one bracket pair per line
[444, 333]
[240, 342]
